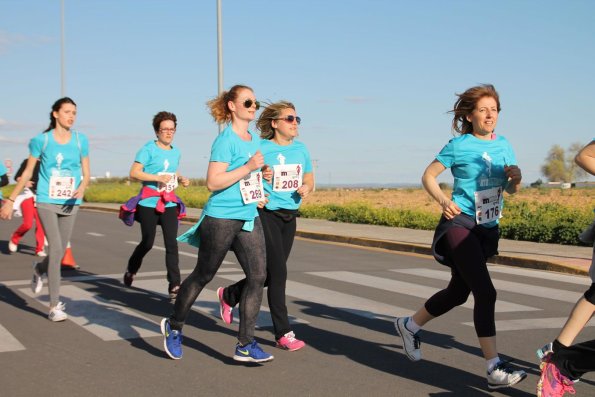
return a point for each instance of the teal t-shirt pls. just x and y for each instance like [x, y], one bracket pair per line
[58, 160]
[476, 165]
[274, 154]
[154, 160]
[227, 203]
[3, 171]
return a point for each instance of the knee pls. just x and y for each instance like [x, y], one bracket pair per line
[257, 279]
[487, 296]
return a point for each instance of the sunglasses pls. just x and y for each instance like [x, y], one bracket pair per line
[249, 102]
[291, 119]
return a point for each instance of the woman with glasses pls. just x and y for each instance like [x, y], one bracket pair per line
[229, 221]
[64, 175]
[156, 166]
[483, 166]
[292, 181]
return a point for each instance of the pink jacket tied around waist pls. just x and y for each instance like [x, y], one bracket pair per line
[128, 209]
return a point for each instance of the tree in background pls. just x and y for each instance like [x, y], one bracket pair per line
[559, 164]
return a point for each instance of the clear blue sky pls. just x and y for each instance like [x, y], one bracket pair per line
[372, 80]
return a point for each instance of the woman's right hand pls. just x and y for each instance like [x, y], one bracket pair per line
[256, 161]
[449, 209]
[164, 178]
[6, 210]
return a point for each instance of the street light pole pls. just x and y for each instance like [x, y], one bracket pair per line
[62, 73]
[219, 54]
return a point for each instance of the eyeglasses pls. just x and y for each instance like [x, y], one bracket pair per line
[249, 102]
[291, 119]
[172, 130]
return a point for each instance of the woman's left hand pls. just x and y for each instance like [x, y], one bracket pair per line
[79, 193]
[261, 204]
[304, 190]
[267, 173]
[183, 181]
[513, 173]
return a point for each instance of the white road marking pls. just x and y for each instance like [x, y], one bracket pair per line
[8, 343]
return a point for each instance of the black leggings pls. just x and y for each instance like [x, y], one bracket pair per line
[217, 236]
[149, 218]
[465, 252]
[576, 360]
[279, 235]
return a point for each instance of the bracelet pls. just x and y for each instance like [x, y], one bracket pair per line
[8, 198]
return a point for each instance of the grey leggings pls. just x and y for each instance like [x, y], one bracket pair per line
[217, 236]
[58, 222]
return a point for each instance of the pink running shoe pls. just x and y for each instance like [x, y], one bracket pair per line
[289, 342]
[225, 311]
[552, 383]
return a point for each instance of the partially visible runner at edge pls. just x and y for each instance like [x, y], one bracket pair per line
[64, 174]
[483, 165]
[229, 221]
[292, 181]
[562, 363]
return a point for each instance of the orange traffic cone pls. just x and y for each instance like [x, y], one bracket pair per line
[68, 260]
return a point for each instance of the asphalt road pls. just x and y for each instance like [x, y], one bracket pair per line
[342, 300]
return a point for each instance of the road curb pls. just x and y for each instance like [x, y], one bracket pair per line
[504, 260]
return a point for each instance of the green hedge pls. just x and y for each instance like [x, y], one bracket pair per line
[527, 221]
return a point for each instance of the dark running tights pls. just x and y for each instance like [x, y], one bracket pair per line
[576, 360]
[279, 236]
[149, 218]
[217, 236]
[469, 275]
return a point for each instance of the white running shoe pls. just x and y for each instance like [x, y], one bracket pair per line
[36, 282]
[411, 341]
[57, 313]
[12, 247]
[503, 375]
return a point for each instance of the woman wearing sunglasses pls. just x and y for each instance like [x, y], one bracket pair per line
[292, 181]
[156, 166]
[229, 221]
[482, 164]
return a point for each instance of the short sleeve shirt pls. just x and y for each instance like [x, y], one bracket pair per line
[155, 160]
[229, 148]
[274, 154]
[476, 165]
[61, 160]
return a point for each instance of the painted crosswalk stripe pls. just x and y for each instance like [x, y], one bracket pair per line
[531, 323]
[336, 300]
[95, 234]
[183, 253]
[8, 343]
[410, 289]
[502, 285]
[543, 275]
[208, 303]
[106, 320]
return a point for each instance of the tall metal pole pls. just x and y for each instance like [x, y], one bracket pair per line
[219, 54]
[62, 73]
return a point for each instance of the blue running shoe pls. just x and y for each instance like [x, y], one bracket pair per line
[545, 351]
[172, 340]
[251, 353]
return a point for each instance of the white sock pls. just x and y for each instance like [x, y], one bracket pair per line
[411, 325]
[492, 362]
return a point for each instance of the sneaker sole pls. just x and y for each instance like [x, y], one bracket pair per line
[518, 380]
[58, 319]
[400, 333]
[252, 359]
[163, 320]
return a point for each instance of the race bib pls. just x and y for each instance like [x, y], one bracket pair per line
[62, 187]
[488, 205]
[169, 186]
[287, 177]
[251, 188]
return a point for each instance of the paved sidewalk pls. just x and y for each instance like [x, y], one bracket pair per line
[553, 257]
